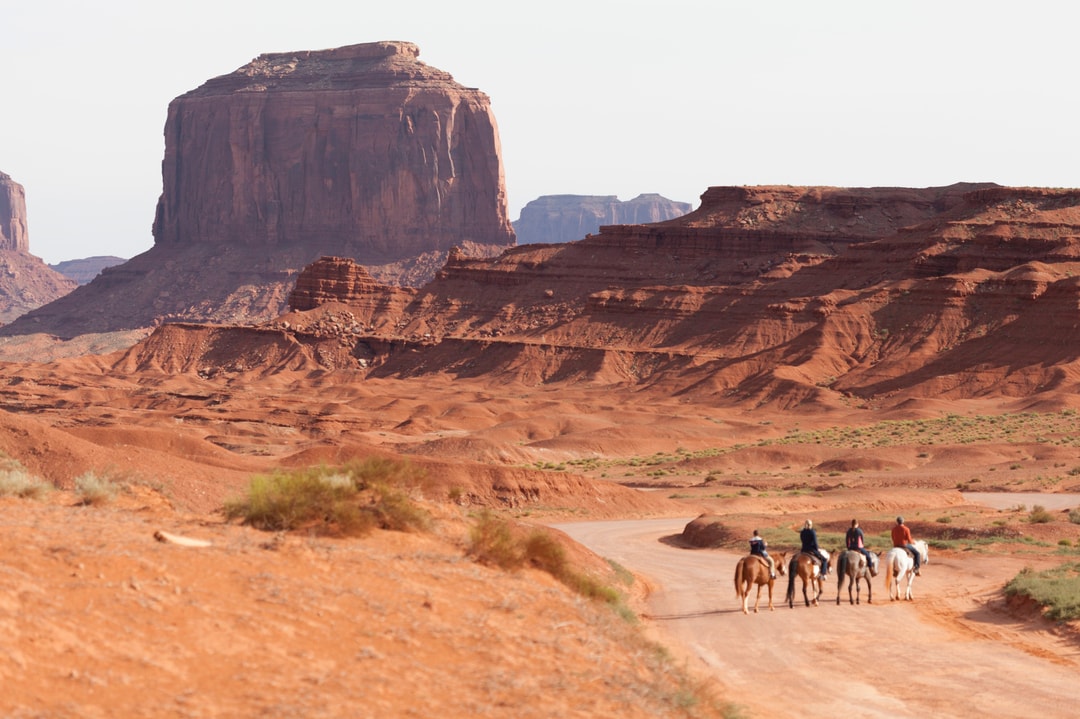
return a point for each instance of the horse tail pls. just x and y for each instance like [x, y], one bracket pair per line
[738, 578]
[841, 568]
[793, 568]
[888, 561]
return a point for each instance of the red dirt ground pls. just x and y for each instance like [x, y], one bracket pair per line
[103, 620]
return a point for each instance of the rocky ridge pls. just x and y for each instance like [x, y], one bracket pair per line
[768, 294]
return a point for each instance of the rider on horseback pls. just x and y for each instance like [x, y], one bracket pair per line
[854, 539]
[808, 537]
[757, 548]
[901, 537]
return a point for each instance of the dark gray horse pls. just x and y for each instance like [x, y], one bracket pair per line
[853, 565]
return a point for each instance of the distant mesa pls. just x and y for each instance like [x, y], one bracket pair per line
[565, 218]
[26, 282]
[85, 269]
[361, 151]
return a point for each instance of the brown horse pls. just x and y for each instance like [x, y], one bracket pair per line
[752, 570]
[803, 566]
[853, 565]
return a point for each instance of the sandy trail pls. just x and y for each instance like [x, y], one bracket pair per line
[947, 654]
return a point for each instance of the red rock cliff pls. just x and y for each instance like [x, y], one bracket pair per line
[774, 294]
[363, 149]
[13, 235]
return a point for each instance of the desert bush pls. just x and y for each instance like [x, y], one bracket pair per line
[495, 542]
[1057, 590]
[1074, 516]
[492, 542]
[1039, 515]
[15, 481]
[95, 490]
[348, 501]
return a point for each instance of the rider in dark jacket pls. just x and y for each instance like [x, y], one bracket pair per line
[758, 548]
[808, 537]
[856, 540]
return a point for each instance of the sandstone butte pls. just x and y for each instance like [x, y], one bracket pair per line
[361, 151]
[26, 282]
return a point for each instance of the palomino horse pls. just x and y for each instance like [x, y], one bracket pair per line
[898, 565]
[853, 565]
[810, 574]
[752, 570]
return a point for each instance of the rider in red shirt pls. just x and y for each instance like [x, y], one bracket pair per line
[901, 537]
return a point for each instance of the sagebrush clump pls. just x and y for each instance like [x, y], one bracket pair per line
[495, 541]
[345, 501]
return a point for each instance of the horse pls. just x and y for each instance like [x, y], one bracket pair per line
[753, 569]
[810, 574]
[853, 565]
[899, 565]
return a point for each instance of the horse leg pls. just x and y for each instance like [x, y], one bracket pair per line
[770, 595]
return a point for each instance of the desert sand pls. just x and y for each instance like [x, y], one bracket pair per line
[103, 619]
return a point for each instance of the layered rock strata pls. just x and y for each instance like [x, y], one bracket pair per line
[774, 294]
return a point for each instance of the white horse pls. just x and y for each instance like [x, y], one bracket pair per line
[898, 564]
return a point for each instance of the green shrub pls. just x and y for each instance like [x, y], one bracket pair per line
[348, 501]
[95, 490]
[1057, 590]
[1074, 516]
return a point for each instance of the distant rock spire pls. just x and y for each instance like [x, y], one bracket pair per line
[13, 233]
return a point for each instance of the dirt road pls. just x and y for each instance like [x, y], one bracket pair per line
[952, 652]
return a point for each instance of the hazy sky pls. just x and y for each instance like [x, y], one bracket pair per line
[591, 96]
